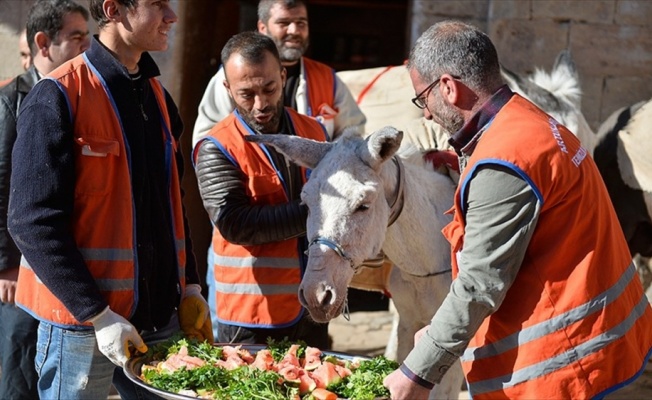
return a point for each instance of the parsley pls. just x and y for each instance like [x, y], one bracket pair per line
[366, 382]
[280, 348]
[244, 383]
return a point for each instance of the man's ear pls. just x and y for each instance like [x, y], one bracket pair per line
[262, 28]
[42, 43]
[111, 10]
[228, 88]
[449, 88]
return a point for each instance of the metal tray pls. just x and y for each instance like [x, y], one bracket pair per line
[133, 367]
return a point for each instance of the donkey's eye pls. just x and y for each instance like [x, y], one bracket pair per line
[362, 207]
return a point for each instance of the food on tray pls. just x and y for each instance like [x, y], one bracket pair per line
[282, 370]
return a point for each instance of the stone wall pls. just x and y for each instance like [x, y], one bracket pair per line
[13, 14]
[611, 41]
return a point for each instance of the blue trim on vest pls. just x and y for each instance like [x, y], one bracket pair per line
[63, 326]
[619, 386]
[305, 78]
[169, 153]
[503, 163]
[65, 95]
[219, 146]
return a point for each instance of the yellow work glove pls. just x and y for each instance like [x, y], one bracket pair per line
[194, 314]
[113, 334]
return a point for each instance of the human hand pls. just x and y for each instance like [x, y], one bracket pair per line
[8, 278]
[326, 115]
[446, 158]
[113, 334]
[401, 387]
[194, 315]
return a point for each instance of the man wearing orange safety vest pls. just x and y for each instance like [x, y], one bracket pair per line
[96, 209]
[545, 301]
[311, 88]
[251, 194]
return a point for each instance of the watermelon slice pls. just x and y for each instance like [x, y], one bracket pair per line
[325, 375]
[312, 358]
[306, 383]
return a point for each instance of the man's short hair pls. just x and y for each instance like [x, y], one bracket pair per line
[97, 12]
[47, 16]
[251, 46]
[265, 7]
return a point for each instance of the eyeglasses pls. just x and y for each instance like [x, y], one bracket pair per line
[421, 100]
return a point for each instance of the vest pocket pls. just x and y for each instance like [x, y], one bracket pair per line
[98, 147]
[95, 162]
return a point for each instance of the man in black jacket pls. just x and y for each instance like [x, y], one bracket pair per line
[57, 31]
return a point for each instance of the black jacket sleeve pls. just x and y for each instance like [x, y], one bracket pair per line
[222, 188]
[9, 254]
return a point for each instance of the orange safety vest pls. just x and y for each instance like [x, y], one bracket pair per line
[103, 221]
[256, 286]
[320, 85]
[575, 324]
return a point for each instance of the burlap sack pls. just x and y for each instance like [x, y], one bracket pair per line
[373, 279]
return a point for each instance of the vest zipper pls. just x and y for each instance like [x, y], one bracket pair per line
[142, 110]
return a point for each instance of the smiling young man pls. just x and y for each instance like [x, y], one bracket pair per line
[96, 208]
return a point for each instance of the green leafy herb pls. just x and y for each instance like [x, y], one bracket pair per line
[366, 382]
[280, 348]
[245, 383]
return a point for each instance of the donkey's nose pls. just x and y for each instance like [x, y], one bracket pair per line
[325, 296]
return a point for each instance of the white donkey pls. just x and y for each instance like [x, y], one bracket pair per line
[362, 198]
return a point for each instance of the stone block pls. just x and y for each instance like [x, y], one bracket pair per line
[510, 9]
[612, 50]
[621, 91]
[468, 9]
[10, 65]
[591, 99]
[524, 45]
[633, 12]
[600, 11]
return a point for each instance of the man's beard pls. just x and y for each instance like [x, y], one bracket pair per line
[446, 115]
[290, 54]
[270, 126]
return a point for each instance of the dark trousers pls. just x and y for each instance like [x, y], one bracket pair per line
[314, 334]
[18, 332]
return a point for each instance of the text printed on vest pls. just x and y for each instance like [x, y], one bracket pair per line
[555, 133]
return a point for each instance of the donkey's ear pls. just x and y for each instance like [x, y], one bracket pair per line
[301, 151]
[380, 146]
